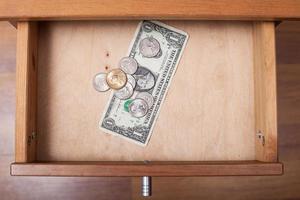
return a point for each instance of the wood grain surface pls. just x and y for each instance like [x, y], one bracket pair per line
[265, 91]
[139, 169]
[209, 107]
[283, 187]
[26, 92]
[158, 9]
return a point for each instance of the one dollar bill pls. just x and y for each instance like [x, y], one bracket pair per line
[115, 119]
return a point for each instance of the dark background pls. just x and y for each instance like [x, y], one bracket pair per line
[264, 187]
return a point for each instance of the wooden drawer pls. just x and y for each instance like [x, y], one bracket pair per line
[219, 116]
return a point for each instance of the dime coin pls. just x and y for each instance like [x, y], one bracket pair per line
[145, 80]
[116, 79]
[128, 65]
[131, 80]
[147, 97]
[149, 47]
[138, 108]
[125, 92]
[99, 82]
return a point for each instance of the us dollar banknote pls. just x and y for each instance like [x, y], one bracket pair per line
[157, 68]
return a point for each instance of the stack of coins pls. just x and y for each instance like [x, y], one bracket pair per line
[120, 79]
[131, 77]
[129, 65]
[140, 105]
[114, 79]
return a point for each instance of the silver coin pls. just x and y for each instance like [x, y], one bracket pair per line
[125, 92]
[131, 80]
[138, 108]
[145, 79]
[99, 82]
[147, 97]
[128, 65]
[149, 47]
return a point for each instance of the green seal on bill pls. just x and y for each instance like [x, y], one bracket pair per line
[126, 104]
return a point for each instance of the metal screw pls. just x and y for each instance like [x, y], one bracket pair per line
[261, 137]
[31, 138]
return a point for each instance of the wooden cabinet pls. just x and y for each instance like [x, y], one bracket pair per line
[219, 117]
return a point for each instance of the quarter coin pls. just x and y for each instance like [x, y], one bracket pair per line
[138, 108]
[129, 65]
[131, 80]
[125, 92]
[147, 97]
[116, 79]
[145, 79]
[149, 47]
[99, 82]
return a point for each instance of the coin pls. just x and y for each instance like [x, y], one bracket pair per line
[99, 82]
[131, 80]
[125, 92]
[145, 79]
[147, 97]
[149, 47]
[116, 79]
[138, 108]
[128, 65]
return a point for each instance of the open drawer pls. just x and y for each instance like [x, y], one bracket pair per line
[219, 116]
